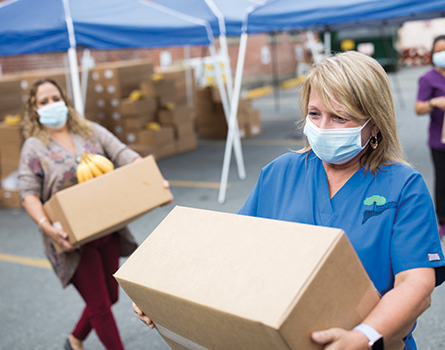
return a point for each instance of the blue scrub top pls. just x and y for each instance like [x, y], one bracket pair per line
[389, 218]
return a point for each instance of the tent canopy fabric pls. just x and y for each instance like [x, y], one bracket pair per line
[326, 14]
[28, 26]
[113, 24]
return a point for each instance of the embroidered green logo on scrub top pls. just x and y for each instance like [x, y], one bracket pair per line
[378, 200]
[379, 205]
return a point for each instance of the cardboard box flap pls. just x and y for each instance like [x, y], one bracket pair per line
[196, 326]
[185, 254]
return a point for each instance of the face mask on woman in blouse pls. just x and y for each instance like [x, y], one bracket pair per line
[54, 115]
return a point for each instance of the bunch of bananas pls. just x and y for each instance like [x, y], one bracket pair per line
[13, 119]
[153, 126]
[157, 77]
[93, 165]
[136, 95]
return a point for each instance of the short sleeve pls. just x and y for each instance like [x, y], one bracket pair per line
[30, 170]
[415, 240]
[250, 207]
[425, 90]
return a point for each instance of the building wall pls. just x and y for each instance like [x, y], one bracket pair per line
[257, 69]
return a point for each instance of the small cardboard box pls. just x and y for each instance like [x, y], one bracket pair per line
[109, 202]
[180, 114]
[186, 144]
[212, 280]
[165, 135]
[10, 199]
[141, 107]
[11, 135]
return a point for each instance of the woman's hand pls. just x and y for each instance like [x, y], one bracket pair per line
[167, 186]
[144, 318]
[340, 339]
[438, 102]
[58, 236]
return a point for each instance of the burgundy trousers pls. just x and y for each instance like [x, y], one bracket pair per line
[95, 283]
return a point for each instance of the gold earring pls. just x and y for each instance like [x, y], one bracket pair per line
[374, 142]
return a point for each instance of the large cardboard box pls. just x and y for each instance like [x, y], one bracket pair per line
[107, 203]
[212, 280]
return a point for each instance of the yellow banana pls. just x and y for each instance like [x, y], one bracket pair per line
[93, 167]
[83, 172]
[12, 119]
[104, 164]
[136, 95]
[153, 126]
[157, 77]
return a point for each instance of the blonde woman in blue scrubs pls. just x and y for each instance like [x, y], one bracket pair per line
[352, 175]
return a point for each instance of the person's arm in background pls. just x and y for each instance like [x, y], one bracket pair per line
[426, 107]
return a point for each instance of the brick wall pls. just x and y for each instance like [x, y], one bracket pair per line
[255, 72]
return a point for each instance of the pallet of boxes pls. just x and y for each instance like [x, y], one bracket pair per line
[173, 132]
[145, 108]
[11, 140]
[210, 118]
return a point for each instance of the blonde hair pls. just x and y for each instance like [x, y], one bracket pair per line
[359, 84]
[32, 126]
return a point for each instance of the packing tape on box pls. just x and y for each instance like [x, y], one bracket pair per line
[178, 339]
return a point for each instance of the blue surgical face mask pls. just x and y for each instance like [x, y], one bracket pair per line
[335, 146]
[54, 115]
[439, 59]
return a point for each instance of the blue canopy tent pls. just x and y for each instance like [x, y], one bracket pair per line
[27, 26]
[59, 25]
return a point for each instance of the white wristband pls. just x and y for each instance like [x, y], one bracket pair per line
[368, 331]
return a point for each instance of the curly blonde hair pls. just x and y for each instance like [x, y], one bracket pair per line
[32, 126]
[359, 84]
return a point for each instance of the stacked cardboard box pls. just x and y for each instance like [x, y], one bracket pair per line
[112, 84]
[11, 141]
[175, 120]
[210, 118]
[11, 96]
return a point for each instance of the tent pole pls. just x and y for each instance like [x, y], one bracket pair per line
[72, 58]
[232, 119]
[227, 68]
[74, 69]
[275, 79]
[227, 110]
[327, 43]
[188, 77]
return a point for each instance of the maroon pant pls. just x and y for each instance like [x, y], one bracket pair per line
[95, 283]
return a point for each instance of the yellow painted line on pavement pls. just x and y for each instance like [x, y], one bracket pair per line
[200, 184]
[36, 262]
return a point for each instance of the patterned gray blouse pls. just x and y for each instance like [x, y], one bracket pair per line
[47, 169]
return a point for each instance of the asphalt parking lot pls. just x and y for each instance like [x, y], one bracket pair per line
[36, 313]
